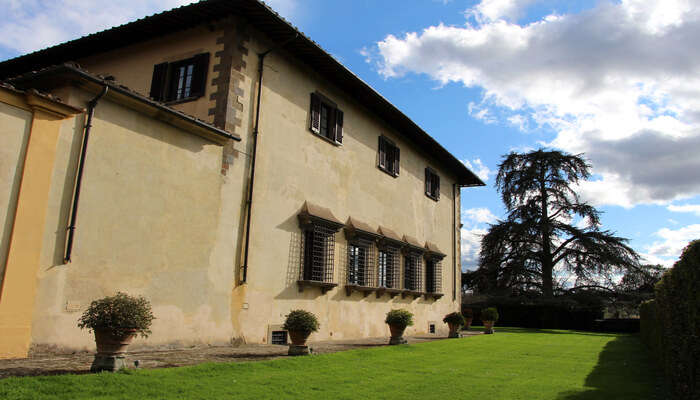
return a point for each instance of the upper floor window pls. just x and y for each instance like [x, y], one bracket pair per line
[326, 118]
[389, 155]
[181, 80]
[432, 184]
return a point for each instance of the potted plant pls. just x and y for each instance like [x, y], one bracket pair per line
[454, 320]
[489, 316]
[468, 318]
[398, 320]
[300, 324]
[116, 320]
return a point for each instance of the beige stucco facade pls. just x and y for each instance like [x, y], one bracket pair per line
[162, 211]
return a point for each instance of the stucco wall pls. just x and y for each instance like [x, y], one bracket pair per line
[133, 65]
[158, 216]
[14, 131]
[154, 219]
[294, 165]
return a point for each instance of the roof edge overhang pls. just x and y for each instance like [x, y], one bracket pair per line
[70, 75]
[277, 29]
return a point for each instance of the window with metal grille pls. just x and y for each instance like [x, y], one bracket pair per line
[326, 118]
[360, 265]
[279, 337]
[431, 328]
[412, 272]
[433, 276]
[317, 262]
[389, 156]
[388, 273]
[181, 80]
[432, 184]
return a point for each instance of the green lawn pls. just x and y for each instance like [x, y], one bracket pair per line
[512, 364]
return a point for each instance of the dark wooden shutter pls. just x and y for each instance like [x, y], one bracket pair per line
[436, 185]
[382, 152]
[427, 182]
[315, 120]
[397, 158]
[338, 126]
[199, 75]
[158, 81]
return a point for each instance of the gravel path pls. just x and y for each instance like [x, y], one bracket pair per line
[78, 363]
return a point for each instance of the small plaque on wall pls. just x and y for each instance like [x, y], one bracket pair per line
[72, 306]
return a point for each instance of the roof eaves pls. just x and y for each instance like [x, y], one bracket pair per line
[124, 91]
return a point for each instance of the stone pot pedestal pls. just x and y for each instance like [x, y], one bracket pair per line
[488, 327]
[454, 331]
[397, 335]
[296, 350]
[111, 350]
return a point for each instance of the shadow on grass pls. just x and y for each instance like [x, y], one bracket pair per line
[624, 371]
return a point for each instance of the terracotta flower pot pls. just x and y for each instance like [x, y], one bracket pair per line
[488, 327]
[467, 323]
[298, 338]
[111, 350]
[454, 330]
[397, 330]
[111, 345]
[397, 334]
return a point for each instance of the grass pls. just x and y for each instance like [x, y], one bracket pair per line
[512, 364]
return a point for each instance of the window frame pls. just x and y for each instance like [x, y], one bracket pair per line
[388, 156]
[432, 184]
[164, 82]
[363, 275]
[416, 276]
[335, 118]
[433, 266]
[392, 267]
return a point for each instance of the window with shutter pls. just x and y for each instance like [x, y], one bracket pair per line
[432, 184]
[388, 156]
[180, 81]
[325, 118]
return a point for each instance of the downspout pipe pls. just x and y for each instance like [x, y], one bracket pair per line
[256, 130]
[79, 177]
[454, 243]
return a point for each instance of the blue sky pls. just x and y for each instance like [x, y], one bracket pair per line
[616, 80]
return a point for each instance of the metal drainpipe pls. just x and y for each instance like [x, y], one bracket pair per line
[79, 178]
[454, 242]
[249, 201]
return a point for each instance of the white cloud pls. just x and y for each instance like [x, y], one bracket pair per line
[471, 245]
[479, 215]
[478, 167]
[492, 10]
[615, 82]
[687, 208]
[30, 25]
[669, 248]
[475, 227]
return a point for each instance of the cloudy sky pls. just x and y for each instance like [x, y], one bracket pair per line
[616, 80]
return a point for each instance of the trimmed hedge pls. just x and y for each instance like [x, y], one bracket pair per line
[541, 313]
[670, 325]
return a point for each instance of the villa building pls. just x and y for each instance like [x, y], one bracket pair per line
[217, 161]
